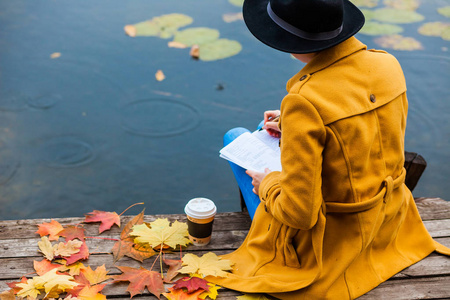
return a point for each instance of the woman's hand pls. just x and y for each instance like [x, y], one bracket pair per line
[257, 178]
[272, 127]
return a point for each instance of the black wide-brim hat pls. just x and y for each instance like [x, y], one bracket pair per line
[302, 26]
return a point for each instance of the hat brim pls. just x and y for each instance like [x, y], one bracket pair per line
[267, 31]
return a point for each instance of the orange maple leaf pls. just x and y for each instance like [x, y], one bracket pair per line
[139, 279]
[180, 294]
[107, 219]
[126, 245]
[192, 284]
[51, 229]
[97, 276]
[174, 266]
[43, 266]
[13, 286]
[92, 292]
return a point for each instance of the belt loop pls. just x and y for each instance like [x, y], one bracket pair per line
[389, 185]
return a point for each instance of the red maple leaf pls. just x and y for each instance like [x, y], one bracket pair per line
[174, 266]
[51, 229]
[107, 219]
[139, 279]
[192, 284]
[73, 232]
[83, 254]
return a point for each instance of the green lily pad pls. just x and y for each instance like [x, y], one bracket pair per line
[365, 3]
[163, 26]
[368, 14]
[375, 28]
[237, 2]
[433, 28]
[196, 36]
[446, 34]
[398, 42]
[402, 4]
[392, 15]
[445, 11]
[219, 49]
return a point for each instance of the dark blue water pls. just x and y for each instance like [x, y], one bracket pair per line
[93, 129]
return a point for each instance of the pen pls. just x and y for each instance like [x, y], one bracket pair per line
[272, 120]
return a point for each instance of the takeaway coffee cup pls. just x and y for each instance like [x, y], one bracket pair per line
[200, 217]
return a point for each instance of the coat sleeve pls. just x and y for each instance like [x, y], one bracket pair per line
[294, 195]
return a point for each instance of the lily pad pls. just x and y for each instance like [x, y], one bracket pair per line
[237, 2]
[365, 3]
[398, 42]
[445, 11]
[433, 28]
[392, 15]
[402, 4]
[375, 28]
[163, 26]
[446, 34]
[196, 36]
[368, 14]
[219, 49]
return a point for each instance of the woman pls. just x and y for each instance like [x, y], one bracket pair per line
[338, 219]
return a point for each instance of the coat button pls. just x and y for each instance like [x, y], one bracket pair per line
[303, 77]
[373, 99]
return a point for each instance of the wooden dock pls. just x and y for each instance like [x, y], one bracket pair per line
[428, 279]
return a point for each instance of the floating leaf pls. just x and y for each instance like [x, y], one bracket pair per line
[368, 14]
[196, 36]
[402, 4]
[391, 15]
[375, 28]
[51, 229]
[55, 55]
[237, 2]
[433, 28]
[398, 42]
[160, 232]
[365, 3]
[160, 75]
[163, 26]
[232, 17]
[195, 51]
[208, 264]
[219, 49]
[446, 34]
[173, 44]
[445, 11]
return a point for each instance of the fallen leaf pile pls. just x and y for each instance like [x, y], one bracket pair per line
[61, 273]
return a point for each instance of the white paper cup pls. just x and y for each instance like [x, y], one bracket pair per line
[200, 218]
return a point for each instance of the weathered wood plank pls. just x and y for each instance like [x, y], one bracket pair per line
[410, 289]
[24, 229]
[220, 240]
[433, 208]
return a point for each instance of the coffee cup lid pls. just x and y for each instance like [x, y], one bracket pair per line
[200, 208]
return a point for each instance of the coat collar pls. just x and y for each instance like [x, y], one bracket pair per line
[328, 57]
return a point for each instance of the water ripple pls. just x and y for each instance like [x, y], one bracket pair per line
[8, 163]
[159, 117]
[66, 151]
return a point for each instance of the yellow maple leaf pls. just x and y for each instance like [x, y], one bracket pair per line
[207, 265]
[97, 276]
[160, 233]
[46, 248]
[212, 293]
[68, 248]
[74, 269]
[31, 288]
[51, 280]
[253, 297]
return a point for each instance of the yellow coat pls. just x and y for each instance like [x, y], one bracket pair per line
[338, 219]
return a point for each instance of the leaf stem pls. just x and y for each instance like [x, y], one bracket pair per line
[160, 262]
[131, 207]
[155, 261]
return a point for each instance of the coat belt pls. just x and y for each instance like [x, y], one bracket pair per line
[384, 195]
